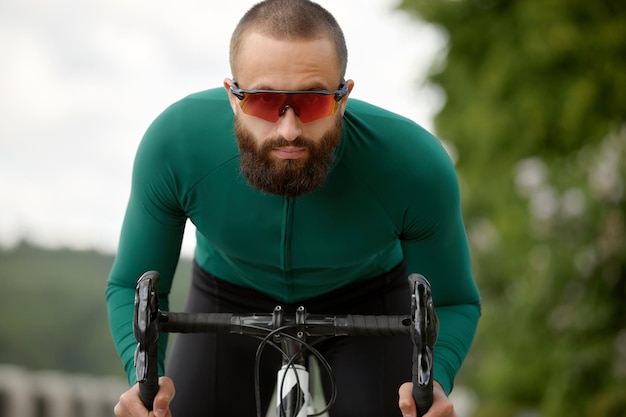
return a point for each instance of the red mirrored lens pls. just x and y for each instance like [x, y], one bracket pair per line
[270, 106]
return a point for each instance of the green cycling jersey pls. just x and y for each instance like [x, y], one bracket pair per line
[391, 196]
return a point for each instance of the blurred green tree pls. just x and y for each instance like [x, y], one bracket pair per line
[54, 312]
[535, 116]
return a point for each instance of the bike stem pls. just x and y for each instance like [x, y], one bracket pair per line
[293, 378]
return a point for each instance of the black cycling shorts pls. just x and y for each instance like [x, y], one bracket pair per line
[214, 374]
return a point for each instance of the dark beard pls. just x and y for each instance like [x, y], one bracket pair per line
[287, 177]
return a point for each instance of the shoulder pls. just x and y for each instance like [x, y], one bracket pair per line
[406, 166]
[199, 122]
[375, 135]
[188, 140]
[369, 118]
[205, 109]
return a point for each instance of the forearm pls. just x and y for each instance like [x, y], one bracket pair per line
[457, 326]
[121, 307]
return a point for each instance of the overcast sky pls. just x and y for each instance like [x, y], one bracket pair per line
[81, 80]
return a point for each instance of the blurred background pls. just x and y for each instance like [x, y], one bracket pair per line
[529, 98]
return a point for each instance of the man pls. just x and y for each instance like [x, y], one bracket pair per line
[297, 198]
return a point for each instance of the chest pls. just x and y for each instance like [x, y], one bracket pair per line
[343, 223]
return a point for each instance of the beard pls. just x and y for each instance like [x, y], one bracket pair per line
[287, 177]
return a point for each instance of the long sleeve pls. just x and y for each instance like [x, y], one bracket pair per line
[151, 239]
[435, 245]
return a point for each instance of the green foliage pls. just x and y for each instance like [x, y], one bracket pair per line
[54, 309]
[528, 74]
[536, 109]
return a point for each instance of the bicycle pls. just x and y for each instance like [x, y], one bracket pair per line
[292, 337]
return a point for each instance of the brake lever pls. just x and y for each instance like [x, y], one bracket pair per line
[424, 335]
[146, 332]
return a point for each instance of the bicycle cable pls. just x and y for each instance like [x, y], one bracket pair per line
[306, 347]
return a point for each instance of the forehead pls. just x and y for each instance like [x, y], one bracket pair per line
[281, 64]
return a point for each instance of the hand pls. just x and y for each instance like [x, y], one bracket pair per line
[442, 407]
[130, 404]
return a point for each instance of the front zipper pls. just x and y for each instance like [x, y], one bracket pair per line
[285, 249]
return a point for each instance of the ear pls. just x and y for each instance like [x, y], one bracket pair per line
[344, 101]
[231, 97]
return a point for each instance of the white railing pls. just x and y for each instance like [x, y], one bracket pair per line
[26, 393]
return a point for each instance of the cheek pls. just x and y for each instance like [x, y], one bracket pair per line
[318, 128]
[257, 128]
[253, 132]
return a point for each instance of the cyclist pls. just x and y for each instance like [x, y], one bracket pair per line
[298, 196]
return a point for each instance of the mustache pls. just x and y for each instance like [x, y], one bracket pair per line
[298, 142]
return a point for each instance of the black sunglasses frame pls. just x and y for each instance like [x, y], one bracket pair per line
[339, 94]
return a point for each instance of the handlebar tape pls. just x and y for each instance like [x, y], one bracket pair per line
[149, 387]
[422, 393]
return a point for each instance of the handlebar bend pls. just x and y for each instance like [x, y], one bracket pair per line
[422, 326]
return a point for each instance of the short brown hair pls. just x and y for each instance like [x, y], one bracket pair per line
[290, 19]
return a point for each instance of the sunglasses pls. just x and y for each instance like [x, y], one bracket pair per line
[271, 104]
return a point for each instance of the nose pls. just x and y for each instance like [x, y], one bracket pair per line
[289, 124]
